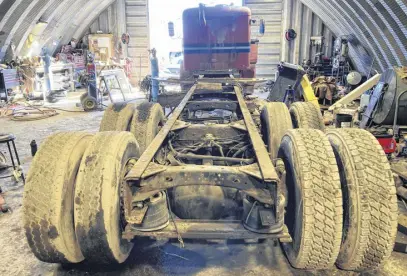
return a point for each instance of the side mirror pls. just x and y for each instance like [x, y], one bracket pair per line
[171, 31]
[262, 28]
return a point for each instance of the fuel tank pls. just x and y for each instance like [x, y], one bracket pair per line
[216, 38]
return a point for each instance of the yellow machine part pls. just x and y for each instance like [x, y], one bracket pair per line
[308, 91]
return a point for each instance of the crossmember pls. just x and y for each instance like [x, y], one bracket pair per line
[190, 229]
[158, 178]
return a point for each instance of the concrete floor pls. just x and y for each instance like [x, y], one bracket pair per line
[148, 258]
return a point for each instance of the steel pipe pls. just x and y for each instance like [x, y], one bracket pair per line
[356, 93]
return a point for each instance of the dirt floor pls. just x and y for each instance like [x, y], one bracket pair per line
[148, 258]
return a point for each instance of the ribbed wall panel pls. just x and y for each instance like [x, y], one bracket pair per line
[138, 29]
[270, 43]
[378, 29]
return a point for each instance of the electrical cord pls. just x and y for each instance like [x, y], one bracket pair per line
[65, 110]
[32, 113]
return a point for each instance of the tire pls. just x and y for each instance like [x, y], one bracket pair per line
[48, 198]
[89, 103]
[123, 122]
[275, 121]
[111, 116]
[306, 115]
[369, 199]
[98, 213]
[147, 120]
[314, 207]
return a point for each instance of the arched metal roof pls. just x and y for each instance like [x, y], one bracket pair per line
[63, 19]
[377, 28]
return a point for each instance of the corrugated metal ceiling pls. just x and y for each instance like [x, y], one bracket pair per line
[377, 28]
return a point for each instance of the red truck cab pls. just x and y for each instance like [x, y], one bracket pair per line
[217, 39]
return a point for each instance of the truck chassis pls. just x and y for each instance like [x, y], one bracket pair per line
[258, 179]
[225, 165]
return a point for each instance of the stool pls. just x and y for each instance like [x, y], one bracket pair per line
[7, 139]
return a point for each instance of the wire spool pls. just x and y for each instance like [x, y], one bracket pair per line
[393, 83]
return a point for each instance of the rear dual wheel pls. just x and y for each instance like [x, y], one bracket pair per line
[148, 118]
[117, 117]
[344, 172]
[98, 209]
[144, 120]
[306, 115]
[275, 121]
[48, 198]
[314, 205]
[369, 198]
[72, 209]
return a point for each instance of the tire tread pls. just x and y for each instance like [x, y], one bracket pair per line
[43, 196]
[306, 115]
[321, 199]
[375, 195]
